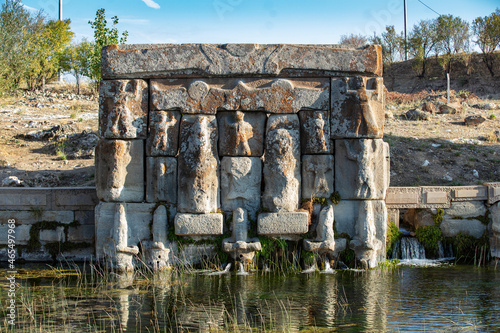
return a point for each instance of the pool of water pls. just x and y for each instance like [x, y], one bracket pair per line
[404, 298]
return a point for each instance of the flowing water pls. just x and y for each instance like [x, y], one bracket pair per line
[406, 299]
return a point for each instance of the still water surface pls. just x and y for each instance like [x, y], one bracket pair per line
[405, 299]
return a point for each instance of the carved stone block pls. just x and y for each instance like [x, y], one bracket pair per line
[209, 95]
[163, 136]
[161, 176]
[495, 231]
[315, 132]
[241, 133]
[317, 176]
[123, 109]
[198, 224]
[285, 223]
[358, 109]
[361, 169]
[282, 164]
[198, 182]
[139, 218]
[120, 170]
[241, 183]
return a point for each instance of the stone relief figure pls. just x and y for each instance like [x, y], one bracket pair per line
[317, 168]
[365, 243]
[363, 114]
[164, 132]
[365, 162]
[319, 132]
[240, 131]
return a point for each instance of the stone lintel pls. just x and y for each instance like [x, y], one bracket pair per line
[170, 60]
[287, 223]
[403, 197]
[466, 193]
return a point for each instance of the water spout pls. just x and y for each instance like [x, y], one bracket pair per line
[242, 271]
[328, 268]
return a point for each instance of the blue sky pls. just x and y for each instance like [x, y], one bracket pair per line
[255, 21]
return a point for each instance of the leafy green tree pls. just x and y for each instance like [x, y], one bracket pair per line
[487, 31]
[76, 58]
[103, 35]
[392, 45]
[422, 40]
[452, 37]
[18, 31]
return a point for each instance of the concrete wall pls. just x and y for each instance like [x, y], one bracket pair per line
[52, 213]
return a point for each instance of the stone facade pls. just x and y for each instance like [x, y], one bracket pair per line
[249, 130]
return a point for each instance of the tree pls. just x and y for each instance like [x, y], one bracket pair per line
[103, 36]
[392, 45]
[487, 31]
[76, 58]
[452, 36]
[353, 40]
[422, 40]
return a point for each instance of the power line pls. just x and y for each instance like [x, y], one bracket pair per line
[429, 7]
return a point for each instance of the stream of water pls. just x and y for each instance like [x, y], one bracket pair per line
[409, 299]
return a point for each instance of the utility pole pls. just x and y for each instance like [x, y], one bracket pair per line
[406, 36]
[60, 10]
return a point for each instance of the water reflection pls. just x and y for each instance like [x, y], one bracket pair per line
[400, 299]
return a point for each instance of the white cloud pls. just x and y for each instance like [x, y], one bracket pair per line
[151, 3]
[29, 8]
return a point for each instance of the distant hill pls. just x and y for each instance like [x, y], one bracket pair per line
[402, 77]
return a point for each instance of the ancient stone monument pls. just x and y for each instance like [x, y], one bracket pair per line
[193, 134]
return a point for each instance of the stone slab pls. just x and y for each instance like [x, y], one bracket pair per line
[361, 169]
[12, 198]
[393, 216]
[495, 230]
[167, 60]
[85, 217]
[436, 197]
[123, 109]
[75, 198]
[467, 193]
[241, 179]
[120, 170]
[208, 96]
[286, 223]
[161, 178]
[317, 176]
[403, 197]
[493, 192]
[50, 236]
[241, 133]
[163, 138]
[31, 217]
[466, 209]
[81, 233]
[451, 227]
[357, 107]
[138, 215]
[198, 224]
[346, 215]
[22, 234]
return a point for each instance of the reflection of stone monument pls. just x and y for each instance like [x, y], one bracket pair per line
[199, 131]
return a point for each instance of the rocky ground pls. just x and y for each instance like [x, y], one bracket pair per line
[48, 139]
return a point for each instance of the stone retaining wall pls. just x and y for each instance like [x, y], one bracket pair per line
[33, 206]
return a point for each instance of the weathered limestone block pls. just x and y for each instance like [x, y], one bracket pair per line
[209, 95]
[163, 139]
[358, 109]
[315, 132]
[49, 236]
[81, 233]
[324, 243]
[451, 227]
[403, 197]
[465, 209]
[123, 109]
[495, 230]
[282, 164]
[283, 223]
[241, 133]
[148, 61]
[361, 169]
[241, 183]
[198, 185]
[347, 214]
[419, 217]
[159, 252]
[239, 246]
[467, 193]
[198, 224]
[116, 249]
[161, 173]
[138, 214]
[120, 170]
[317, 176]
[369, 236]
[22, 234]
[493, 192]
[28, 217]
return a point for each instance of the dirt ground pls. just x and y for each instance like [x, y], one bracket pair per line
[47, 139]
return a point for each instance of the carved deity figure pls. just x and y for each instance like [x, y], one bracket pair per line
[319, 125]
[240, 131]
[365, 162]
